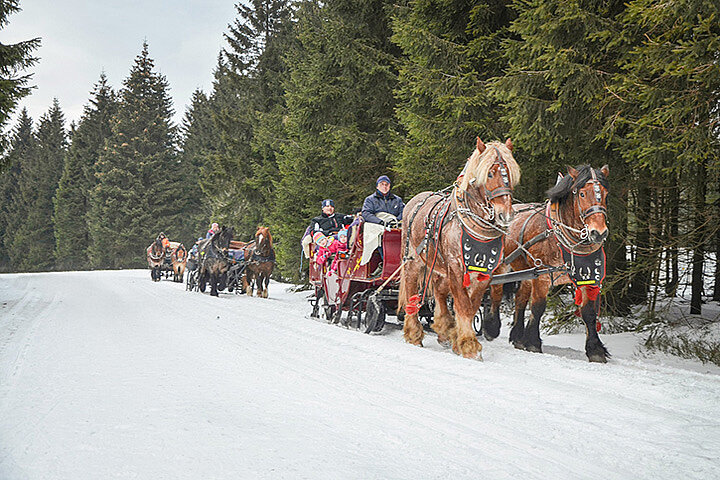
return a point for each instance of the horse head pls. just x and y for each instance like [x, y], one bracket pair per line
[221, 240]
[488, 179]
[587, 188]
[263, 241]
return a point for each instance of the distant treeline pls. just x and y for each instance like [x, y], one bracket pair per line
[314, 100]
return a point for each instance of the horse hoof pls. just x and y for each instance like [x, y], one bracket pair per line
[444, 343]
[477, 356]
[518, 345]
[533, 348]
[597, 358]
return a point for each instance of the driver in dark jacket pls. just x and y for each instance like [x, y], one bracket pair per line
[329, 222]
[382, 201]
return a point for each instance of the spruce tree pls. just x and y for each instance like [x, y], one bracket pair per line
[560, 58]
[33, 244]
[139, 178]
[72, 199]
[451, 49]
[13, 209]
[664, 101]
[340, 115]
[14, 60]
[247, 108]
[200, 140]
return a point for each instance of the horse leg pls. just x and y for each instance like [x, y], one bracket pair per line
[491, 323]
[531, 338]
[412, 330]
[260, 284]
[248, 283]
[443, 322]
[213, 285]
[466, 342]
[265, 289]
[518, 328]
[594, 348]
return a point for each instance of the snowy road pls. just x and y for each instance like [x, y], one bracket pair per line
[107, 375]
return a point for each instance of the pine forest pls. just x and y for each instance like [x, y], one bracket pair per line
[314, 100]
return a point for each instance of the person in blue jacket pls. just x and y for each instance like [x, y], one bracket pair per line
[382, 201]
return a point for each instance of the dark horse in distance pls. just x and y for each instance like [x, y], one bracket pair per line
[213, 258]
[260, 258]
[569, 229]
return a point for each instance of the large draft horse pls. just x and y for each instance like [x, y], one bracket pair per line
[214, 261]
[178, 258]
[436, 227]
[260, 258]
[156, 257]
[567, 230]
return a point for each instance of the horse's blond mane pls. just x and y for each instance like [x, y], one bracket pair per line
[478, 165]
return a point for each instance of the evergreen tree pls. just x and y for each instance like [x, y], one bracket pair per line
[14, 59]
[33, 244]
[13, 209]
[664, 101]
[451, 50]
[559, 61]
[139, 178]
[78, 179]
[200, 141]
[247, 106]
[340, 115]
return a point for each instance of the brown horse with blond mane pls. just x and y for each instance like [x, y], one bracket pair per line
[567, 230]
[450, 236]
[260, 257]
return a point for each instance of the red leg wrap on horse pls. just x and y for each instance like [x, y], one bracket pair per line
[592, 291]
[412, 306]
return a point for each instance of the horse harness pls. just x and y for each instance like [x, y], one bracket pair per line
[483, 249]
[583, 269]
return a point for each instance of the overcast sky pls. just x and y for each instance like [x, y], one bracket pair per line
[80, 39]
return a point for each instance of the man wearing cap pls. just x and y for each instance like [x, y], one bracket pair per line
[329, 222]
[382, 201]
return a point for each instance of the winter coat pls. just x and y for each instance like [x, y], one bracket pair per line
[377, 202]
[330, 224]
[322, 255]
[337, 247]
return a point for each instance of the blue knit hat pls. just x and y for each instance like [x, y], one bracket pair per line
[327, 203]
[383, 178]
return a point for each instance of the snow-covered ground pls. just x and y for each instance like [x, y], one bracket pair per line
[108, 375]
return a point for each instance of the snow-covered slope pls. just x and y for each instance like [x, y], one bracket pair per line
[108, 375]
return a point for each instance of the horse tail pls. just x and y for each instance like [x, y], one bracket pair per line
[402, 295]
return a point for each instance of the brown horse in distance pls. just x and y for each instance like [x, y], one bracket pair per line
[480, 205]
[574, 218]
[260, 262]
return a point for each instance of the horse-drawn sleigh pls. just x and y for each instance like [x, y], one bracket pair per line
[224, 263]
[456, 243]
[166, 258]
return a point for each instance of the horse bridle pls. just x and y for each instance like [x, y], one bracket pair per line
[596, 207]
[486, 206]
[566, 239]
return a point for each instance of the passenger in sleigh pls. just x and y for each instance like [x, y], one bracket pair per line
[327, 223]
[322, 247]
[338, 247]
[383, 209]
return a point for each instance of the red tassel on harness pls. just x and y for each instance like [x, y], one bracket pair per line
[483, 276]
[592, 291]
[466, 280]
[412, 306]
